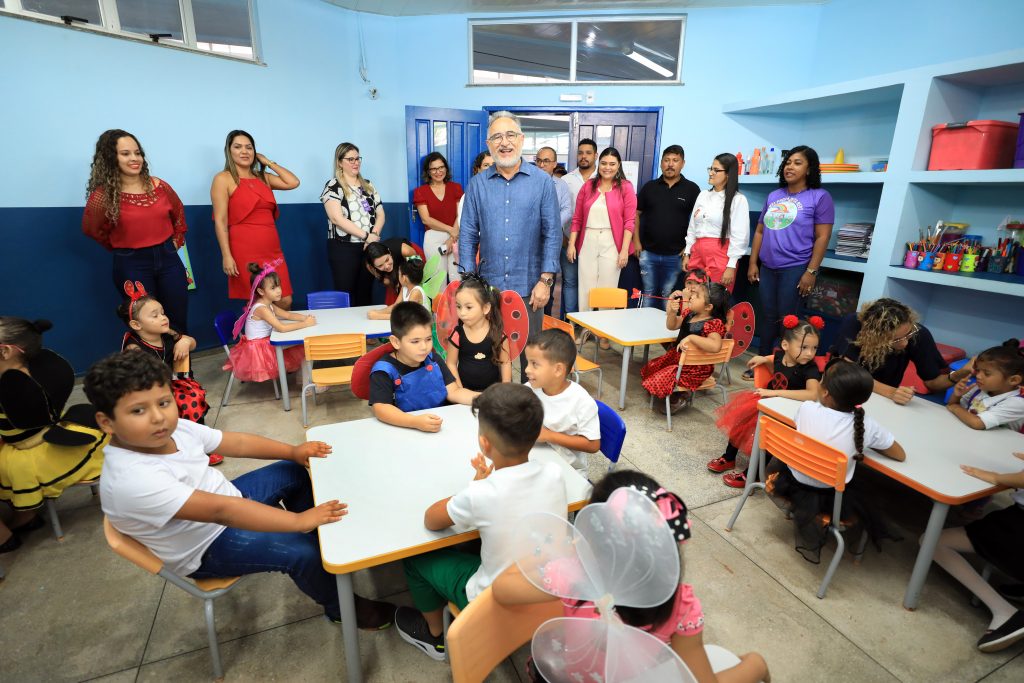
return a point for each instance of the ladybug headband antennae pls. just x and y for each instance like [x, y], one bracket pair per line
[134, 292]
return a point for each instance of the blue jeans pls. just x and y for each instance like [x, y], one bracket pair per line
[162, 273]
[779, 298]
[659, 273]
[237, 551]
[570, 287]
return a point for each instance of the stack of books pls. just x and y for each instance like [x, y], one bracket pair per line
[854, 239]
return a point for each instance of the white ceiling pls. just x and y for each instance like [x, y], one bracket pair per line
[397, 8]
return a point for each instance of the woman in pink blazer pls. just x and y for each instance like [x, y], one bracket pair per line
[605, 216]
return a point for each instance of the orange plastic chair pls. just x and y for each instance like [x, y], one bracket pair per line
[605, 297]
[582, 364]
[486, 632]
[206, 590]
[697, 357]
[817, 460]
[330, 347]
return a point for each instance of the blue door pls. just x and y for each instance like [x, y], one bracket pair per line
[633, 133]
[458, 134]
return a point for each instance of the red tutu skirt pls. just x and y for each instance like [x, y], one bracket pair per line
[737, 419]
[190, 397]
[255, 360]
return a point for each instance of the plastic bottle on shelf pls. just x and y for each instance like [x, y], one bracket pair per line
[772, 161]
[764, 161]
[739, 163]
[755, 162]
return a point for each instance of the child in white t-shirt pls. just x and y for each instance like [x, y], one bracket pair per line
[498, 497]
[571, 425]
[837, 418]
[158, 487]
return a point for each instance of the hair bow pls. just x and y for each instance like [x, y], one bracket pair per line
[817, 322]
[619, 552]
[672, 509]
[790, 321]
[135, 292]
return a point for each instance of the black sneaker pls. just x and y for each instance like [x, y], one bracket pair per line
[1004, 636]
[1014, 592]
[748, 376]
[413, 628]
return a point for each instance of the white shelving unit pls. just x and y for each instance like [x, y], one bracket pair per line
[892, 116]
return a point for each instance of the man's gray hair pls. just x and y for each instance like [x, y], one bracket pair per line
[503, 114]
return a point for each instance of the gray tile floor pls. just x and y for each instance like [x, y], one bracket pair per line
[74, 611]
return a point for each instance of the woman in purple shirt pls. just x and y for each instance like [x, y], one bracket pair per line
[792, 234]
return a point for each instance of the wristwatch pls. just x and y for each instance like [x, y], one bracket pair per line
[812, 271]
[549, 281]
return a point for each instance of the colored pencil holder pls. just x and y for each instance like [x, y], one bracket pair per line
[940, 260]
[952, 263]
[996, 264]
[911, 259]
[927, 260]
[969, 263]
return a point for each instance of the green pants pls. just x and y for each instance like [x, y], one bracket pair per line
[440, 577]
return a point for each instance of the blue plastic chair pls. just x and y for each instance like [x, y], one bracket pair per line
[223, 324]
[327, 299]
[613, 433]
[956, 365]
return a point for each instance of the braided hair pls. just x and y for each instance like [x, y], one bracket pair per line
[849, 386]
[486, 295]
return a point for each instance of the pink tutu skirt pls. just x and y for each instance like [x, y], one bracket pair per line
[737, 419]
[255, 360]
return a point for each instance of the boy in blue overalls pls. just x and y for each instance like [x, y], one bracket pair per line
[410, 378]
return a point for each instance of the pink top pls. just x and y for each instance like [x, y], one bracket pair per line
[687, 616]
[621, 211]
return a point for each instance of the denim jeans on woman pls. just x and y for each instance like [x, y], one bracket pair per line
[237, 551]
[779, 297]
[659, 273]
[162, 273]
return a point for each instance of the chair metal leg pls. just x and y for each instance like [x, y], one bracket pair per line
[211, 634]
[726, 377]
[277, 392]
[668, 410]
[834, 564]
[752, 482]
[446, 622]
[858, 552]
[305, 422]
[600, 382]
[227, 391]
[51, 512]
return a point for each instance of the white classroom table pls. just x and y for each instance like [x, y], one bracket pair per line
[936, 443]
[328, 321]
[389, 476]
[629, 327]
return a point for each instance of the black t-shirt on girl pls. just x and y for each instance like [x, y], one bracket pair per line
[794, 378]
[921, 349]
[690, 326]
[477, 369]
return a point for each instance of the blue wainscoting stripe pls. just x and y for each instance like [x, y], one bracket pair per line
[53, 271]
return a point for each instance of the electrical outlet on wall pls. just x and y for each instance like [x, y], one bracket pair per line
[590, 97]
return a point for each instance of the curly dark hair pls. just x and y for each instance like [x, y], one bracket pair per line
[431, 158]
[105, 173]
[119, 374]
[878, 321]
[511, 416]
[813, 166]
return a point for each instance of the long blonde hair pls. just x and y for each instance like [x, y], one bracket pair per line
[257, 169]
[339, 152]
[878, 320]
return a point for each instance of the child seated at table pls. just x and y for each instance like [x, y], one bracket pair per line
[158, 487]
[837, 419]
[409, 378]
[996, 538]
[995, 400]
[410, 277]
[571, 425]
[501, 494]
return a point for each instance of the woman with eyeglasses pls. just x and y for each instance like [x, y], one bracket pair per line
[437, 202]
[790, 241]
[717, 237]
[884, 337]
[245, 211]
[355, 220]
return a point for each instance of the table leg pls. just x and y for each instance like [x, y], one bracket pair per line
[349, 629]
[924, 556]
[622, 378]
[283, 378]
[647, 352]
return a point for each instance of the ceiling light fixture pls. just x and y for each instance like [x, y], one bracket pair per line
[656, 68]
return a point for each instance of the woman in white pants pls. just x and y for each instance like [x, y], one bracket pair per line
[437, 201]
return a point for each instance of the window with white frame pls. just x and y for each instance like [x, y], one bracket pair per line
[620, 49]
[223, 27]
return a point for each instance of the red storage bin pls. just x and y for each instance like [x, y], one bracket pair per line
[972, 145]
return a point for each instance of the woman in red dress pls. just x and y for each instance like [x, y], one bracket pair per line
[244, 211]
[437, 202]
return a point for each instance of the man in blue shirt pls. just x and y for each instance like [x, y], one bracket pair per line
[510, 212]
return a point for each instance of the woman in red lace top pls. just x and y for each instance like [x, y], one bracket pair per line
[244, 214]
[140, 219]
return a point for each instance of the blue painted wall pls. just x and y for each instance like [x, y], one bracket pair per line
[308, 97]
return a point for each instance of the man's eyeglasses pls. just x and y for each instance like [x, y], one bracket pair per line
[908, 336]
[511, 136]
[352, 160]
[712, 171]
[544, 161]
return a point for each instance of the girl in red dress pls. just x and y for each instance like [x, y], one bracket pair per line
[701, 326]
[244, 211]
